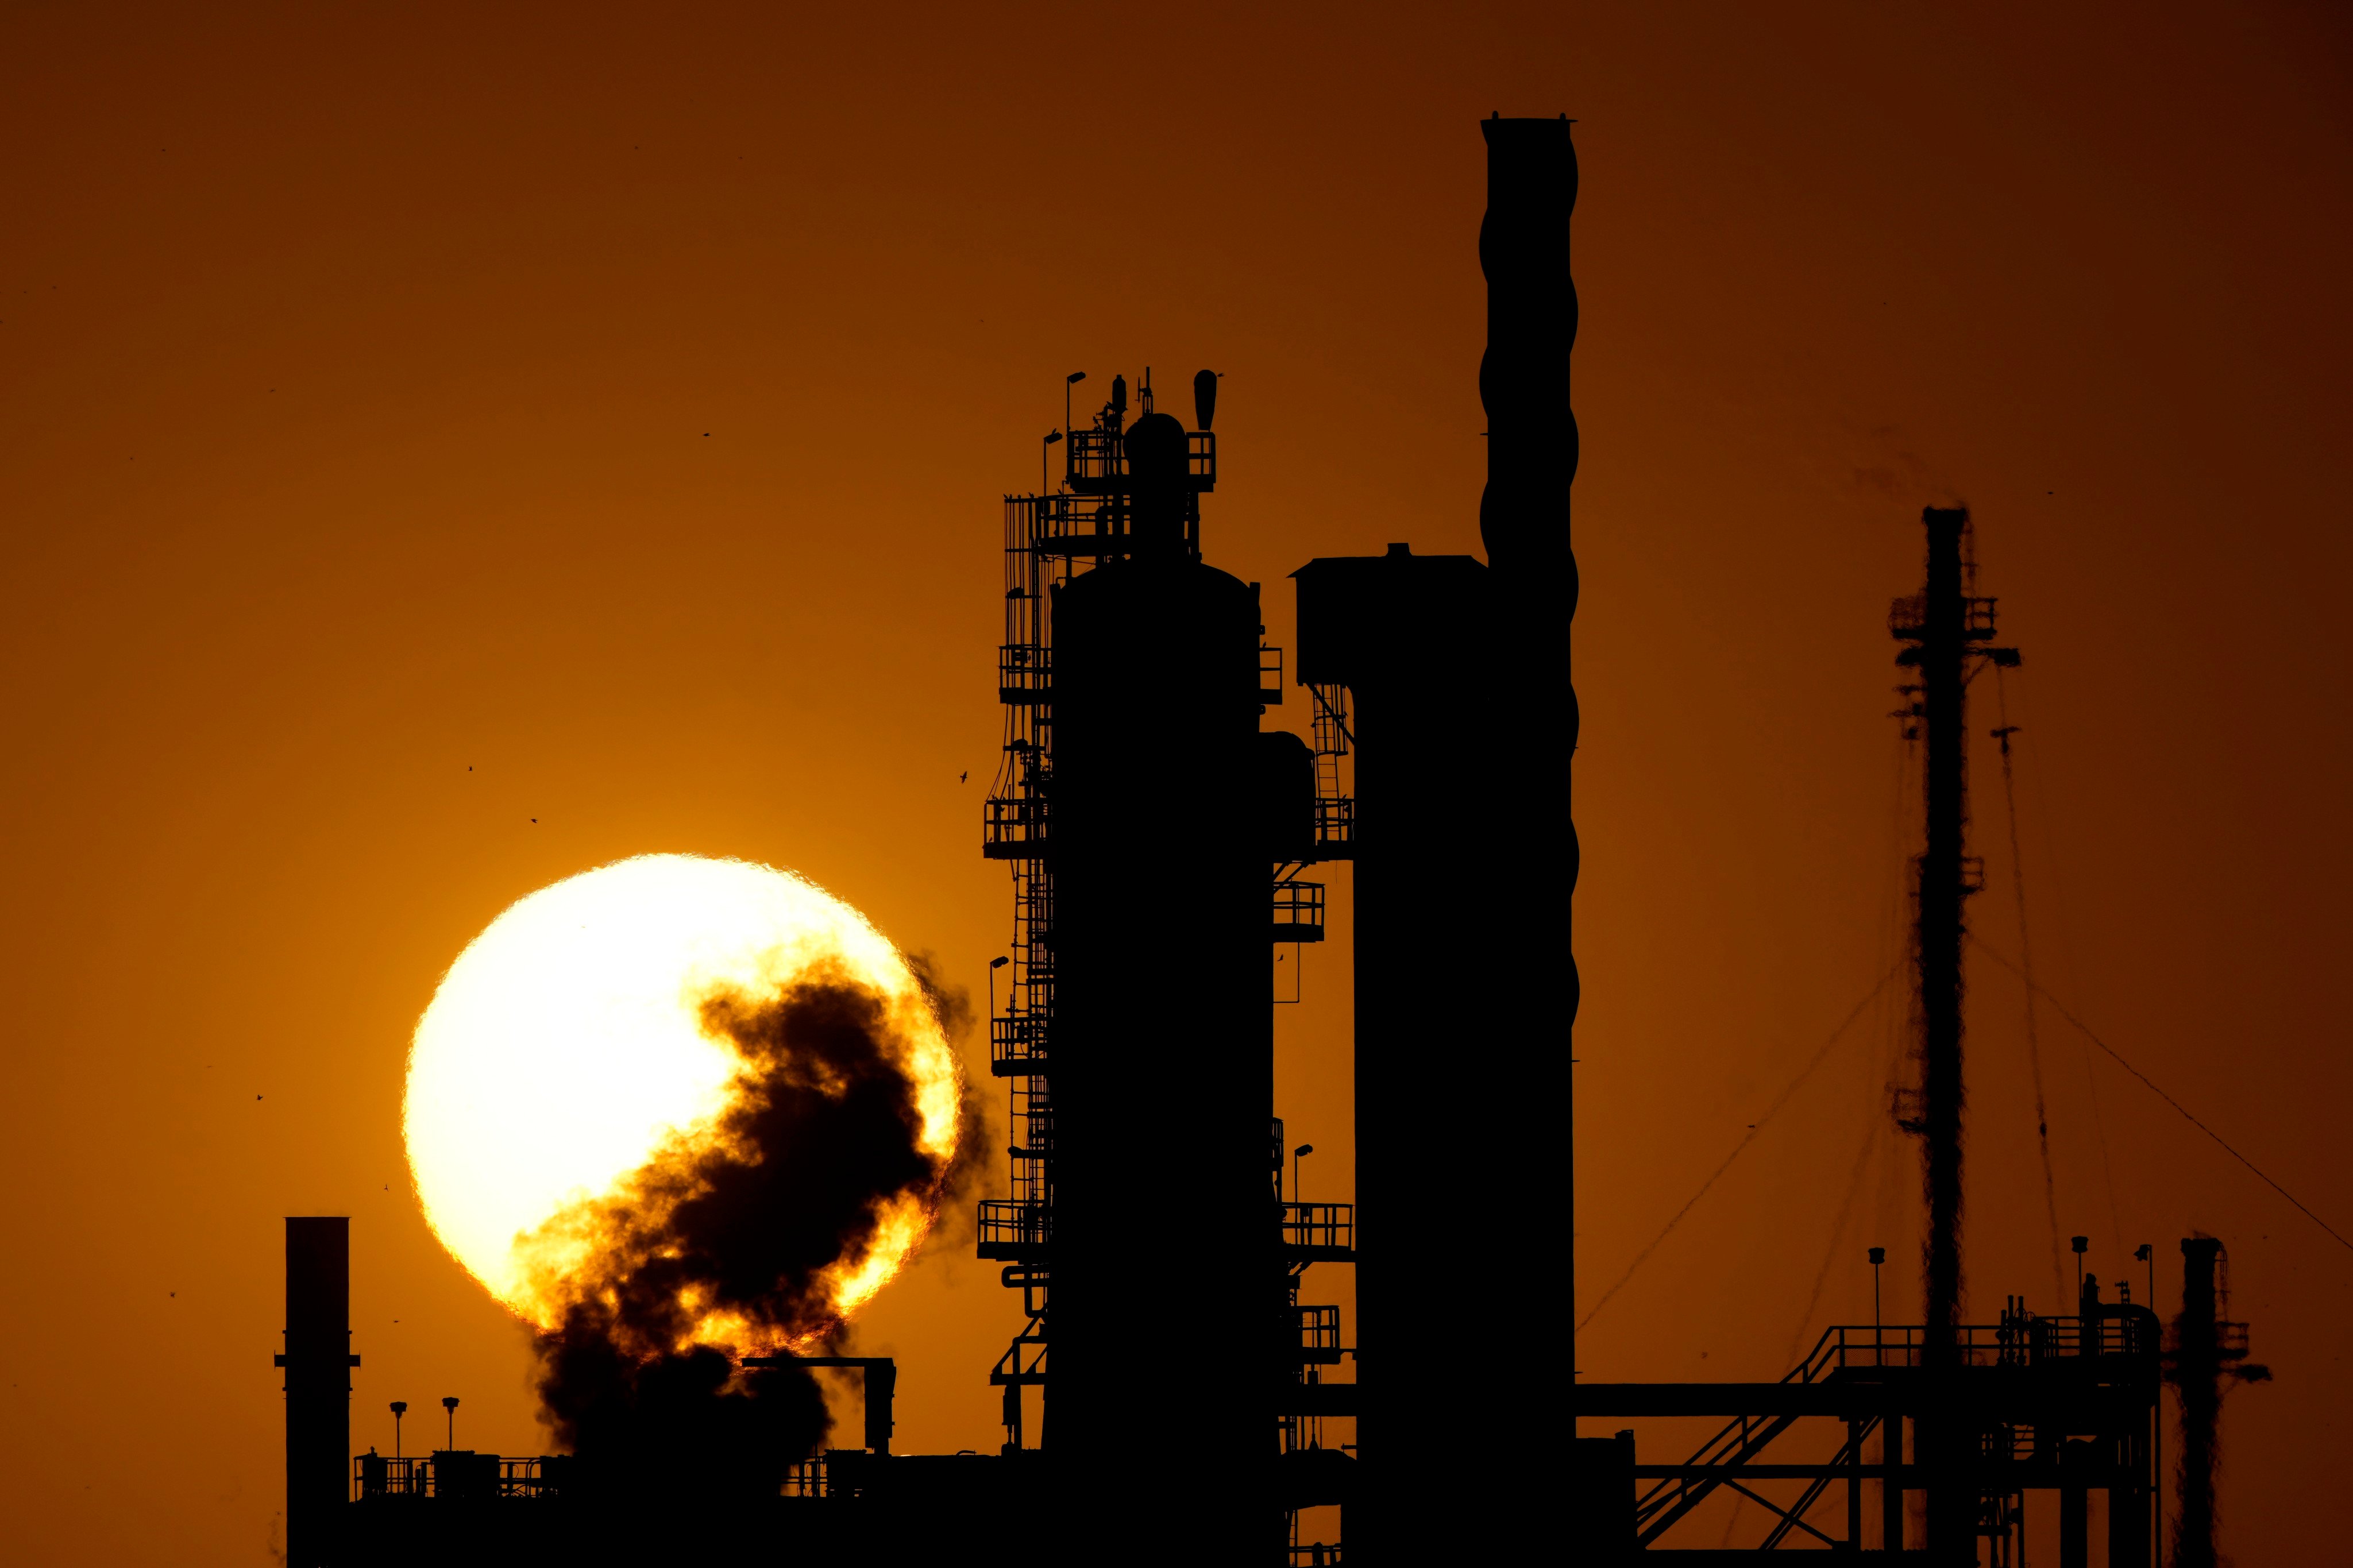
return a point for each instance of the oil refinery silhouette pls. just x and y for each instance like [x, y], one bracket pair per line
[1176, 1394]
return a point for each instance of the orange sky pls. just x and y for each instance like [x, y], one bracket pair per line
[615, 403]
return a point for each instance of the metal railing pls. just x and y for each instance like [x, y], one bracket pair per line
[1329, 1229]
[1017, 1045]
[806, 1479]
[1025, 674]
[2024, 1340]
[459, 1473]
[1335, 827]
[1005, 1225]
[1298, 911]
[1014, 827]
[1907, 619]
[1319, 1335]
[1202, 459]
[1097, 461]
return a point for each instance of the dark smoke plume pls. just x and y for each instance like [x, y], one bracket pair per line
[820, 1142]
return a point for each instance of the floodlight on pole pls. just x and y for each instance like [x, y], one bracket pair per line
[399, 1409]
[449, 1403]
[1296, 1154]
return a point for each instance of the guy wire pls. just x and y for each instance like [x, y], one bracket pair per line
[2003, 733]
[1755, 1127]
[2186, 1114]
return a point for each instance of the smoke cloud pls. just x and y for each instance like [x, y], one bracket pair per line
[739, 1240]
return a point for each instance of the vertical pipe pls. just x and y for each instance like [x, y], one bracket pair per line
[1856, 1427]
[2074, 1524]
[1890, 1495]
[318, 1361]
[1523, 520]
[2197, 1379]
[2128, 1533]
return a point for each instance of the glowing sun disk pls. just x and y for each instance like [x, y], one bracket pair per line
[567, 1045]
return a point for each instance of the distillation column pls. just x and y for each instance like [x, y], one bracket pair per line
[1164, 1320]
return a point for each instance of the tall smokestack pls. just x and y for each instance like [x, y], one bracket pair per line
[318, 1361]
[1523, 520]
[1458, 678]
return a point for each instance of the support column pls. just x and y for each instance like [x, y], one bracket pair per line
[1891, 1499]
[2076, 1507]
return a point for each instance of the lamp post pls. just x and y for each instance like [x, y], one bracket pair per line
[399, 1409]
[449, 1403]
[1296, 1155]
[1051, 436]
[1068, 381]
[2079, 1243]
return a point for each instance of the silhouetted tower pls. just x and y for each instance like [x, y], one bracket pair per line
[1944, 627]
[1457, 675]
[1523, 520]
[318, 1359]
[2208, 1349]
[1144, 805]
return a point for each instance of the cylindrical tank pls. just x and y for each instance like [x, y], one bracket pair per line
[1165, 1231]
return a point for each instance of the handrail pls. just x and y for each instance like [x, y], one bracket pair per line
[2121, 1329]
[2120, 1332]
[457, 1473]
[1008, 1223]
[1322, 1226]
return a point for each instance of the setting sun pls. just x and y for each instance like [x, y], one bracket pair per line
[574, 1084]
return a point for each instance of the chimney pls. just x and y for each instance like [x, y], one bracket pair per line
[318, 1361]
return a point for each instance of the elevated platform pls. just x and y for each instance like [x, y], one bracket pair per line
[2026, 1404]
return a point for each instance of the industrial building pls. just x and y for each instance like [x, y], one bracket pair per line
[1178, 1392]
